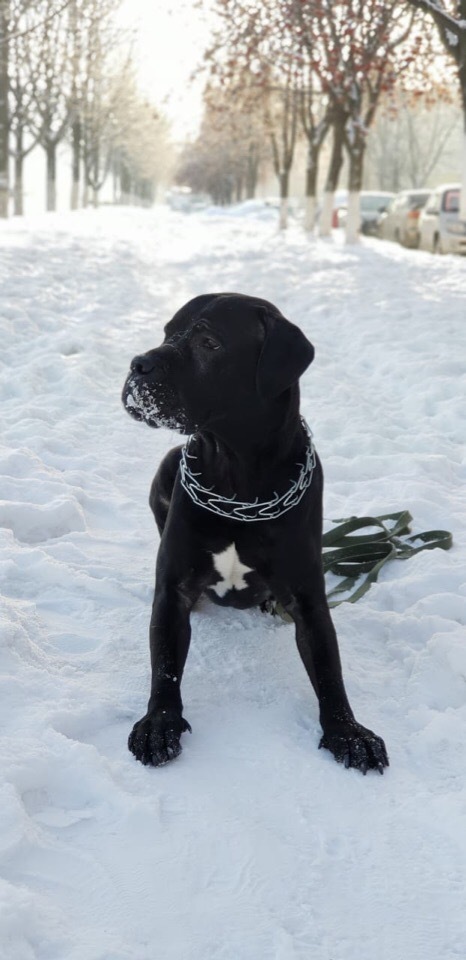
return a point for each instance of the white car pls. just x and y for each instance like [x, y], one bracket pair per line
[400, 222]
[440, 228]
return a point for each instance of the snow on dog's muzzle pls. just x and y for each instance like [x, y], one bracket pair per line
[138, 400]
[152, 401]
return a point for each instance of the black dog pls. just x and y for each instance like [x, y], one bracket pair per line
[239, 508]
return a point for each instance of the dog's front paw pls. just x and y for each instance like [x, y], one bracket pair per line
[356, 746]
[156, 738]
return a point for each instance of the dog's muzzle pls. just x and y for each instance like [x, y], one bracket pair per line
[148, 394]
[138, 399]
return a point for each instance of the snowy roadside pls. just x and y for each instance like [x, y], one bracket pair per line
[254, 845]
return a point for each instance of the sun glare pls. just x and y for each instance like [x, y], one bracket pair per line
[170, 38]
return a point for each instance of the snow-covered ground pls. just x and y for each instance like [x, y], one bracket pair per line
[254, 845]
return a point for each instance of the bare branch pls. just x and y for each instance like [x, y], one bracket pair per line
[37, 26]
[444, 20]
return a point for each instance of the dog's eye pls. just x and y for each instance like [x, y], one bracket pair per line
[210, 344]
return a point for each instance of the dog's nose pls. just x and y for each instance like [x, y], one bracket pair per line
[157, 360]
[143, 364]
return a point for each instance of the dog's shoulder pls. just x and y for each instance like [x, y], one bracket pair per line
[162, 484]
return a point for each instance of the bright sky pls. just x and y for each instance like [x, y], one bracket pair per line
[171, 38]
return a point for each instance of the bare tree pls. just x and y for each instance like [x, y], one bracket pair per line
[282, 104]
[106, 81]
[4, 111]
[66, 67]
[76, 44]
[418, 115]
[22, 142]
[113, 128]
[410, 139]
[450, 19]
[316, 120]
[48, 57]
[141, 153]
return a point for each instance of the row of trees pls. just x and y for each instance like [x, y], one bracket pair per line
[66, 75]
[226, 159]
[411, 141]
[317, 67]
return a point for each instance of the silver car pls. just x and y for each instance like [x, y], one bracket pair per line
[440, 227]
[401, 221]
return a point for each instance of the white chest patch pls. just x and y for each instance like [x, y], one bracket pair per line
[229, 566]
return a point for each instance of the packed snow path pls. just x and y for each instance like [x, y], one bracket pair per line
[254, 845]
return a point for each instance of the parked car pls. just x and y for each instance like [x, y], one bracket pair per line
[184, 200]
[440, 227]
[400, 222]
[371, 204]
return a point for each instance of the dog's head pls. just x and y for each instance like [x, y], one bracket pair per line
[225, 355]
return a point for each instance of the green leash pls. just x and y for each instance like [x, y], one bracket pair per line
[359, 559]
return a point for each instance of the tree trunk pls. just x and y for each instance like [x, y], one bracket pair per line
[284, 178]
[125, 184]
[51, 153]
[463, 175]
[463, 149]
[75, 163]
[116, 188]
[4, 113]
[85, 186]
[353, 219]
[333, 176]
[461, 47]
[311, 188]
[252, 168]
[19, 162]
[356, 163]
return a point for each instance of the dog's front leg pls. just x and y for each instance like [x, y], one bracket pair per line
[350, 742]
[155, 738]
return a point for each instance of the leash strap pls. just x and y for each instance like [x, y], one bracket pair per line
[358, 559]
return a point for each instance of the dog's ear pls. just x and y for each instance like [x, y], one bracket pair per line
[286, 354]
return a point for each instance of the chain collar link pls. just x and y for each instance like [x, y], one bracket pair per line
[234, 509]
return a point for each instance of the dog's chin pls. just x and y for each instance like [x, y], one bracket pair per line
[143, 406]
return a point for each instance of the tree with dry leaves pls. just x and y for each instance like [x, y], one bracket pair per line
[226, 158]
[254, 44]
[353, 46]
